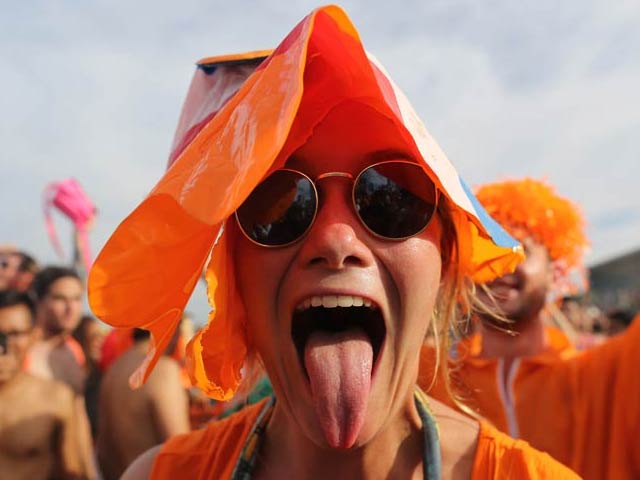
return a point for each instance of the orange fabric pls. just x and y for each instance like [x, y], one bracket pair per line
[169, 236]
[26, 363]
[581, 408]
[499, 456]
[76, 350]
[117, 341]
[213, 452]
[74, 347]
[558, 345]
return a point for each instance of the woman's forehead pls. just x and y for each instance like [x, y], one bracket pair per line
[315, 166]
[351, 137]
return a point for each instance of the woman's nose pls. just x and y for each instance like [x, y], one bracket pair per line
[335, 240]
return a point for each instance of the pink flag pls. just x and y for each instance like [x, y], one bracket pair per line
[69, 198]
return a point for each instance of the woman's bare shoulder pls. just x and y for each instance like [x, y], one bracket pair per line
[458, 440]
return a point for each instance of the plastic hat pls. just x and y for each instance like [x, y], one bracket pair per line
[147, 270]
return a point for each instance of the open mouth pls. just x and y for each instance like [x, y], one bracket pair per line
[503, 287]
[507, 281]
[335, 314]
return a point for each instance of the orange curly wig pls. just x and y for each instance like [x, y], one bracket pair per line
[532, 208]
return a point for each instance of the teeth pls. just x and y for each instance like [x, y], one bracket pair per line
[357, 302]
[333, 301]
[330, 301]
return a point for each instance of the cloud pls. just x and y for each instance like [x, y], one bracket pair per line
[511, 92]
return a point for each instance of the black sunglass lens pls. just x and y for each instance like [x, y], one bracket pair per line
[279, 210]
[395, 200]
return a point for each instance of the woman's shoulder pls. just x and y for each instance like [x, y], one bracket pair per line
[214, 448]
[458, 436]
[500, 456]
[474, 449]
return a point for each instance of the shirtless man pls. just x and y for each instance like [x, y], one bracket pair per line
[57, 355]
[158, 410]
[37, 434]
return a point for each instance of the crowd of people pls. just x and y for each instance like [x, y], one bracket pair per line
[67, 409]
[371, 316]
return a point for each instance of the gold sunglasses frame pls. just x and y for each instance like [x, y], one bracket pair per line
[353, 201]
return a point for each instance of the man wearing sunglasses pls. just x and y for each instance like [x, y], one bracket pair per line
[341, 235]
[38, 438]
[56, 355]
[525, 377]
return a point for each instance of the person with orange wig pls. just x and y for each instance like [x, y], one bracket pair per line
[341, 233]
[525, 376]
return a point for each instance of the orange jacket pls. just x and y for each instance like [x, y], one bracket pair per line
[581, 408]
[214, 451]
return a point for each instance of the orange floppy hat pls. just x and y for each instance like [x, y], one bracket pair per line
[242, 118]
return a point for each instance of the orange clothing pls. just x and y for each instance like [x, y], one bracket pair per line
[76, 349]
[214, 451]
[117, 341]
[581, 408]
[72, 345]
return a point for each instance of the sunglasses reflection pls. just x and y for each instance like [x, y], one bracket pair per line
[393, 199]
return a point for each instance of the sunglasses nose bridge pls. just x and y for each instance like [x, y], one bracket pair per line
[329, 175]
[333, 175]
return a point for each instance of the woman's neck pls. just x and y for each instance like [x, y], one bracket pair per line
[395, 451]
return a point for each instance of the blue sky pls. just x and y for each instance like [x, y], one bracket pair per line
[540, 88]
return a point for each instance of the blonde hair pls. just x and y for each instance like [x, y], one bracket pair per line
[456, 303]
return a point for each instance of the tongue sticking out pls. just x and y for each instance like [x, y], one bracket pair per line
[339, 368]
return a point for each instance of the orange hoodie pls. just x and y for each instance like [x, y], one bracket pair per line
[581, 408]
[214, 452]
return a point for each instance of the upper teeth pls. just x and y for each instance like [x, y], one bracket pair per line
[333, 301]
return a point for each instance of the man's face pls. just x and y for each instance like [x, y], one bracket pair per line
[61, 307]
[340, 384]
[9, 265]
[521, 295]
[15, 327]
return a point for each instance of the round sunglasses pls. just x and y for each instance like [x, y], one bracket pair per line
[394, 200]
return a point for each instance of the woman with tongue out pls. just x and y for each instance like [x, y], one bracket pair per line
[339, 237]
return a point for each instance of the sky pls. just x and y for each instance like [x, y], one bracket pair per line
[547, 89]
